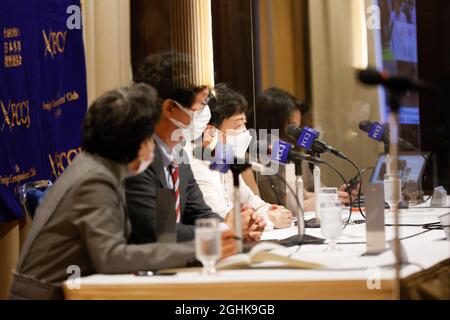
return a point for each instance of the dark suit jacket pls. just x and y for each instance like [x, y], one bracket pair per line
[83, 222]
[141, 193]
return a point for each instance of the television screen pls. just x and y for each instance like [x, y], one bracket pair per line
[399, 53]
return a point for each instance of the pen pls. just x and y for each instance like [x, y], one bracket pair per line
[145, 273]
[153, 273]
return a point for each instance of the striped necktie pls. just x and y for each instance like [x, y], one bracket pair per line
[173, 169]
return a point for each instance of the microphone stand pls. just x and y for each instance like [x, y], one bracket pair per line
[315, 222]
[237, 210]
[387, 160]
[394, 99]
[299, 185]
[237, 169]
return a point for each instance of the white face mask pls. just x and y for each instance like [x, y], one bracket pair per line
[198, 124]
[179, 124]
[239, 143]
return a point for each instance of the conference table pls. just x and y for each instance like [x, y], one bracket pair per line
[346, 273]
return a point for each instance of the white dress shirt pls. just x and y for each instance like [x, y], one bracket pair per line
[218, 189]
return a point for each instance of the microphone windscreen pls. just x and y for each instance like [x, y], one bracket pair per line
[370, 76]
[293, 131]
[280, 151]
[365, 125]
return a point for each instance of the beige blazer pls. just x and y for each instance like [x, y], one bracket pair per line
[83, 225]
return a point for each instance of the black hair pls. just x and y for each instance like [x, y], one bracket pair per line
[226, 104]
[274, 108]
[171, 74]
[119, 121]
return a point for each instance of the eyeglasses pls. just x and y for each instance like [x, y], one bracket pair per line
[207, 102]
[184, 109]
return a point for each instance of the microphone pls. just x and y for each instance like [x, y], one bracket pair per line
[223, 160]
[380, 133]
[373, 77]
[282, 153]
[308, 139]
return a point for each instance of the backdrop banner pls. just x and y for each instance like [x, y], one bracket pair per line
[43, 96]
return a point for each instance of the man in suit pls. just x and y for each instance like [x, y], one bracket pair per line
[83, 222]
[183, 103]
[141, 192]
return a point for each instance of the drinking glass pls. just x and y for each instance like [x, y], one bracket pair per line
[331, 224]
[207, 244]
[328, 196]
[392, 183]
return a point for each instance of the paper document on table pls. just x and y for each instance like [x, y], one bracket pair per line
[347, 258]
[261, 256]
[279, 234]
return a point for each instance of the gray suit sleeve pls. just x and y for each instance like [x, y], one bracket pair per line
[101, 223]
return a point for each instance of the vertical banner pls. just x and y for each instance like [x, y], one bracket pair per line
[43, 96]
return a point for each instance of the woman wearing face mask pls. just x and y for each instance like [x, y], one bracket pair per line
[227, 129]
[285, 109]
[83, 220]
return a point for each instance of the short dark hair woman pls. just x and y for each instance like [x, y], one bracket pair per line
[277, 109]
[82, 221]
[228, 127]
[227, 104]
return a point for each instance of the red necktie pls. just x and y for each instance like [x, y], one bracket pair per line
[173, 168]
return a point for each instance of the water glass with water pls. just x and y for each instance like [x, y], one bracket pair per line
[207, 244]
[328, 196]
[331, 223]
[392, 183]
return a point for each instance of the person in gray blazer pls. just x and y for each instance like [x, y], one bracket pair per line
[83, 222]
[184, 107]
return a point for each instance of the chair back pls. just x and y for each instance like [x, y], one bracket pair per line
[31, 195]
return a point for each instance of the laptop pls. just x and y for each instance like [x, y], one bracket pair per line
[411, 167]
